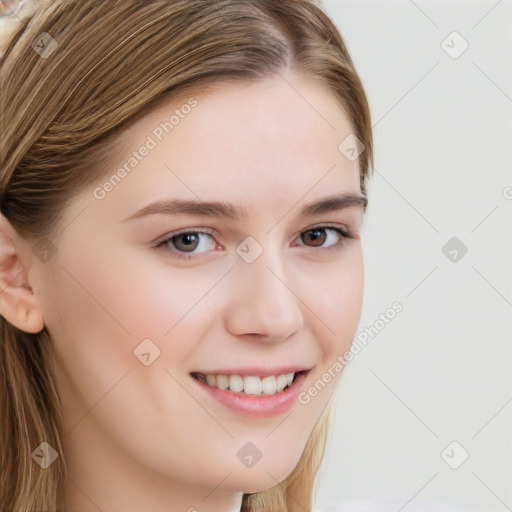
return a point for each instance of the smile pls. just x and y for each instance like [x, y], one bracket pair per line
[253, 395]
[250, 384]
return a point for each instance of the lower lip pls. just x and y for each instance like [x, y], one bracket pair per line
[257, 406]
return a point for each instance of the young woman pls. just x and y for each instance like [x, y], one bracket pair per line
[182, 189]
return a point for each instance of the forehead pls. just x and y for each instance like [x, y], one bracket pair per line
[264, 145]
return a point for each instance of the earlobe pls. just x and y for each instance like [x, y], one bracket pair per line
[18, 304]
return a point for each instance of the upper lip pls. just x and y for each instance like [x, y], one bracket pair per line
[255, 371]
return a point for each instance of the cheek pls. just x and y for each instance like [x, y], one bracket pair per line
[165, 301]
[346, 312]
[338, 299]
[131, 297]
[97, 314]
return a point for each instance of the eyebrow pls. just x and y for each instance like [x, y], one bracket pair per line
[227, 210]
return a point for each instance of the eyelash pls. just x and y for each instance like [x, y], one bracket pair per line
[160, 243]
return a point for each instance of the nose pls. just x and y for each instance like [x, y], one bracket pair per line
[263, 302]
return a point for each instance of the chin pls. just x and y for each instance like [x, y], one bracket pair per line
[260, 477]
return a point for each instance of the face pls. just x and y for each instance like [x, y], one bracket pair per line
[229, 246]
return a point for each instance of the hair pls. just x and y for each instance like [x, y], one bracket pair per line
[115, 61]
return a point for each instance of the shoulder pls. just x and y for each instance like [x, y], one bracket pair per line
[390, 506]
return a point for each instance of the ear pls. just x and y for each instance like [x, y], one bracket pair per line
[18, 304]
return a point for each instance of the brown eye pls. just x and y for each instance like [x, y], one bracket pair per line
[186, 242]
[317, 237]
[324, 237]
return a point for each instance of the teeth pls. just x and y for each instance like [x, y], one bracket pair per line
[282, 382]
[268, 385]
[222, 381]
[250, 385]
[236, 383]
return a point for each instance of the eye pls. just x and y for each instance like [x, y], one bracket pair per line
[319, 235]
[188, 241]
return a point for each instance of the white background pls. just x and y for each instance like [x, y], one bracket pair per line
[441, 370]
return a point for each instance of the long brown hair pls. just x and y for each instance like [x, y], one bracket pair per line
[106, 65]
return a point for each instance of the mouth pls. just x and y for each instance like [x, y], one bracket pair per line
[254, 385]
[256, 393]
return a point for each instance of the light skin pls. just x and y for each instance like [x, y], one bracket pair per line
[142, 437]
